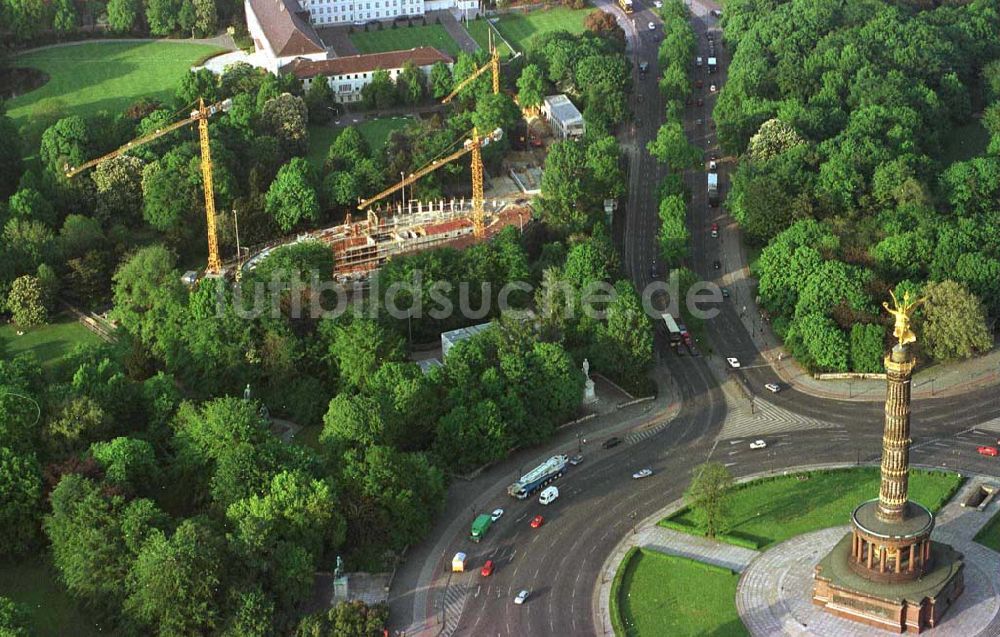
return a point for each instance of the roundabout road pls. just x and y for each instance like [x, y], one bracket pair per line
[561, 562]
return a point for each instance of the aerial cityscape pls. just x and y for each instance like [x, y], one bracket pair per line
[372, 318]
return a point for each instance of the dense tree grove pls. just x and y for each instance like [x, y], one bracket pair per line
[844, 118]
[154, 470]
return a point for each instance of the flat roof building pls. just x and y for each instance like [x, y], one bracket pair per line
[566, 119]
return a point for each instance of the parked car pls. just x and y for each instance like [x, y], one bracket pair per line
[496, 515]
[988, 451]
[713, 165]
[657, 4]
[699, 102]
[733, 362]
[521, 597]
[716, 13]
[717, 264]
[487, 569]
[697, 61]
[725, 293]
[613, 441]
[644, 473]
[643, 67]
[772, 387]
[652, 26]
[537, 521]
[713, 88]
[758, 444]
[698, 84]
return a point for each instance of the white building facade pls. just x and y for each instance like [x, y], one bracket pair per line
[566, 119]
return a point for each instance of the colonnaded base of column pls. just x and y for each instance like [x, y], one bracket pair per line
[805, 587]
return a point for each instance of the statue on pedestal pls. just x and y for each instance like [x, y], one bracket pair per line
[589, 395]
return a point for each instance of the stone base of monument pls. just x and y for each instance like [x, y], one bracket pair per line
[775, 592]
[910, 606]
[589, 395]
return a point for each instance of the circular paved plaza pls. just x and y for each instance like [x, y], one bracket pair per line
[774, 596]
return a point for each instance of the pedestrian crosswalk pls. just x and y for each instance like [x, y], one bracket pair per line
[764, 418]
[454, 602]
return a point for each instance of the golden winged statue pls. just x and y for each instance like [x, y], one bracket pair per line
[903, 311]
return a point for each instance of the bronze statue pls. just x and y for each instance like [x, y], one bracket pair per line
[903, 311]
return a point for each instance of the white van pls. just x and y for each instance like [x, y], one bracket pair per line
[548, 495]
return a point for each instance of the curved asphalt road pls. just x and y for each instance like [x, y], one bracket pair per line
[561, 562]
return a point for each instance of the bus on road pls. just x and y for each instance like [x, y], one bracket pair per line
[672, 329]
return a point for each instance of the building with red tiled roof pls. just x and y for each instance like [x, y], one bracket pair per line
[281, 32]
[348, 75]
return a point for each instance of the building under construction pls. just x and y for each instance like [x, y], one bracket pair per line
[363, 245]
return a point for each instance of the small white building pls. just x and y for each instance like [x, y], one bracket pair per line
[449, 339]
[563, 115]
[348, 75]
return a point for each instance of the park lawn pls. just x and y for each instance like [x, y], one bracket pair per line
[85, 79]
[989, 535]
[768, 511]
[520, 29]
[402, 38]
[375, 132]
[667, 595]
[479, 30]
[49, 343]
[52, 612]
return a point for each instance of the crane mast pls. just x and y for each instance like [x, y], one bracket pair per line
[474, 146]
[493, 64]
[201, 116]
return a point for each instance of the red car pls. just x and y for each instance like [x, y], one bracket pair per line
[537, 521]
[715, 227]
[487, 569]
[988, 451]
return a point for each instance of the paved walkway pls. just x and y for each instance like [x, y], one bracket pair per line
[455, 29]
[773, 596]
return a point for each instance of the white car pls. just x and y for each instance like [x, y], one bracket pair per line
[772, 387]
[713, 165]
[521, 597]
[713, 88]
[658, 4]
[652, 26]
[496, 515]
[697, 61]
[758, 444]
[644, 473]
[733, 362]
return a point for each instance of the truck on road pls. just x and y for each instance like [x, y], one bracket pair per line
[713, 189]
[672, 329]
[626, 5]
[712, 64]
[538, 477]
[480, 526]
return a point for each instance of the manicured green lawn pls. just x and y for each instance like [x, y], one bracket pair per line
[667, 595]
[389, 39]
[53, 612]
[520, 29]
[375, 132]
[989, 535]
[765, 512]
[87, 78]
[49, 343]
[479, 30]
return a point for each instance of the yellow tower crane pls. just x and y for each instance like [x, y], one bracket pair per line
[471, 145]
[201, 116]
[493, 64]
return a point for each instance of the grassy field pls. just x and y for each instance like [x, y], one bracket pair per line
[49, 343]
[520, 29]
[87, 78]
[766, 512]
[479, 30]
[389, 39]
[53, 613]
[667, 595]
[989, 535]
[375, 132]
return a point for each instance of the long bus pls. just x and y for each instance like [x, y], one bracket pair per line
[672, 329]
[626, 5]
[538, 477]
